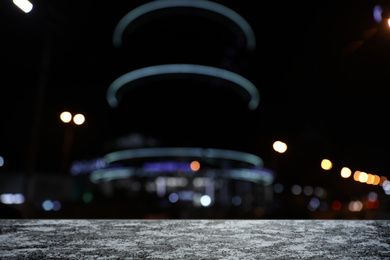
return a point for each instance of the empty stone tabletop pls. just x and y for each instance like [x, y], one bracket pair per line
[194, 239]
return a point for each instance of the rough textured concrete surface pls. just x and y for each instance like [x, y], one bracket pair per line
[194, 239]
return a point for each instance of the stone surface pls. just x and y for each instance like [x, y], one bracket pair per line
[194, 239]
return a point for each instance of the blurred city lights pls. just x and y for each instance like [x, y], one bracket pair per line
[79, 119]
[236, 200]
[187, 195]
[308, 190]
[370, 179]
[6, 198]
[372, 200]
[336, 205]
[195, 166]
[173, 197]
[323, 206]
[326, 164]
[363, 177]
[87, 166]
[182, 69]
[150, 187]
[56, 205]
[314, 204]
[377, 179]
[388, 22]
[1, 161]
[355, 206]
[24, 5]
[279, 147]
[198, 182]
[169, 166]
[278, 188]
[377, 13]
[205, 200]
[161, 185]
[356, 175]
[346, 172]
[183, 152]
[9, 198]
[320, 192]
[47, 205]
[87, 197]
[382, 180]
[66, 117]
[372, 196]
[386, 187]
[296, 189]
[154, 6]
[372, 204]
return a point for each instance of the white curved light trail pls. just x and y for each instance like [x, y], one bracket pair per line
[200, 4]
[183, 152]
[183, 69]
[239, 174]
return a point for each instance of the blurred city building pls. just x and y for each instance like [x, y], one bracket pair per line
[182, 102]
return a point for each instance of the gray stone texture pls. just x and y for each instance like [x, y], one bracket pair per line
[194, 239]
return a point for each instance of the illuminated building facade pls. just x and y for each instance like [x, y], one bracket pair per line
[184, 182]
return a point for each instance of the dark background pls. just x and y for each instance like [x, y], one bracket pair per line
[321, 69]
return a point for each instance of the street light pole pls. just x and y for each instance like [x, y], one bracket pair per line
[66, 117]
[66, 148]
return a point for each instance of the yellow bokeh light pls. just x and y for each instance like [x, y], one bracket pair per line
[356, 175]
[370, 179]
[388, 22]
[66, 117]
[363, 177]
[346, 172]
[195, 166]
[280, 147]
[377, 179]
[79, 119]
[326, 164]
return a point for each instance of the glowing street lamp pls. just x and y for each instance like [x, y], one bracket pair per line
[66, 117]
[280, 147]
[24, 5]
[79, 119]
[363, 177]
[346, 172]
[326, 164]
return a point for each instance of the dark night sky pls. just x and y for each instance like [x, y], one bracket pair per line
[323, 98]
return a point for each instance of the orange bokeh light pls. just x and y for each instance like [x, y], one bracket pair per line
[195, 166]
[370, 179]
[382, 179]
[356, 175]
[377, 179]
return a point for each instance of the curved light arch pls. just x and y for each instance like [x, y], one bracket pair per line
[256, 176]
[183, 152]
[127, 78]
[203, 4]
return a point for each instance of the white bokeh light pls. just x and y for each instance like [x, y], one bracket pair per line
[205, 200]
